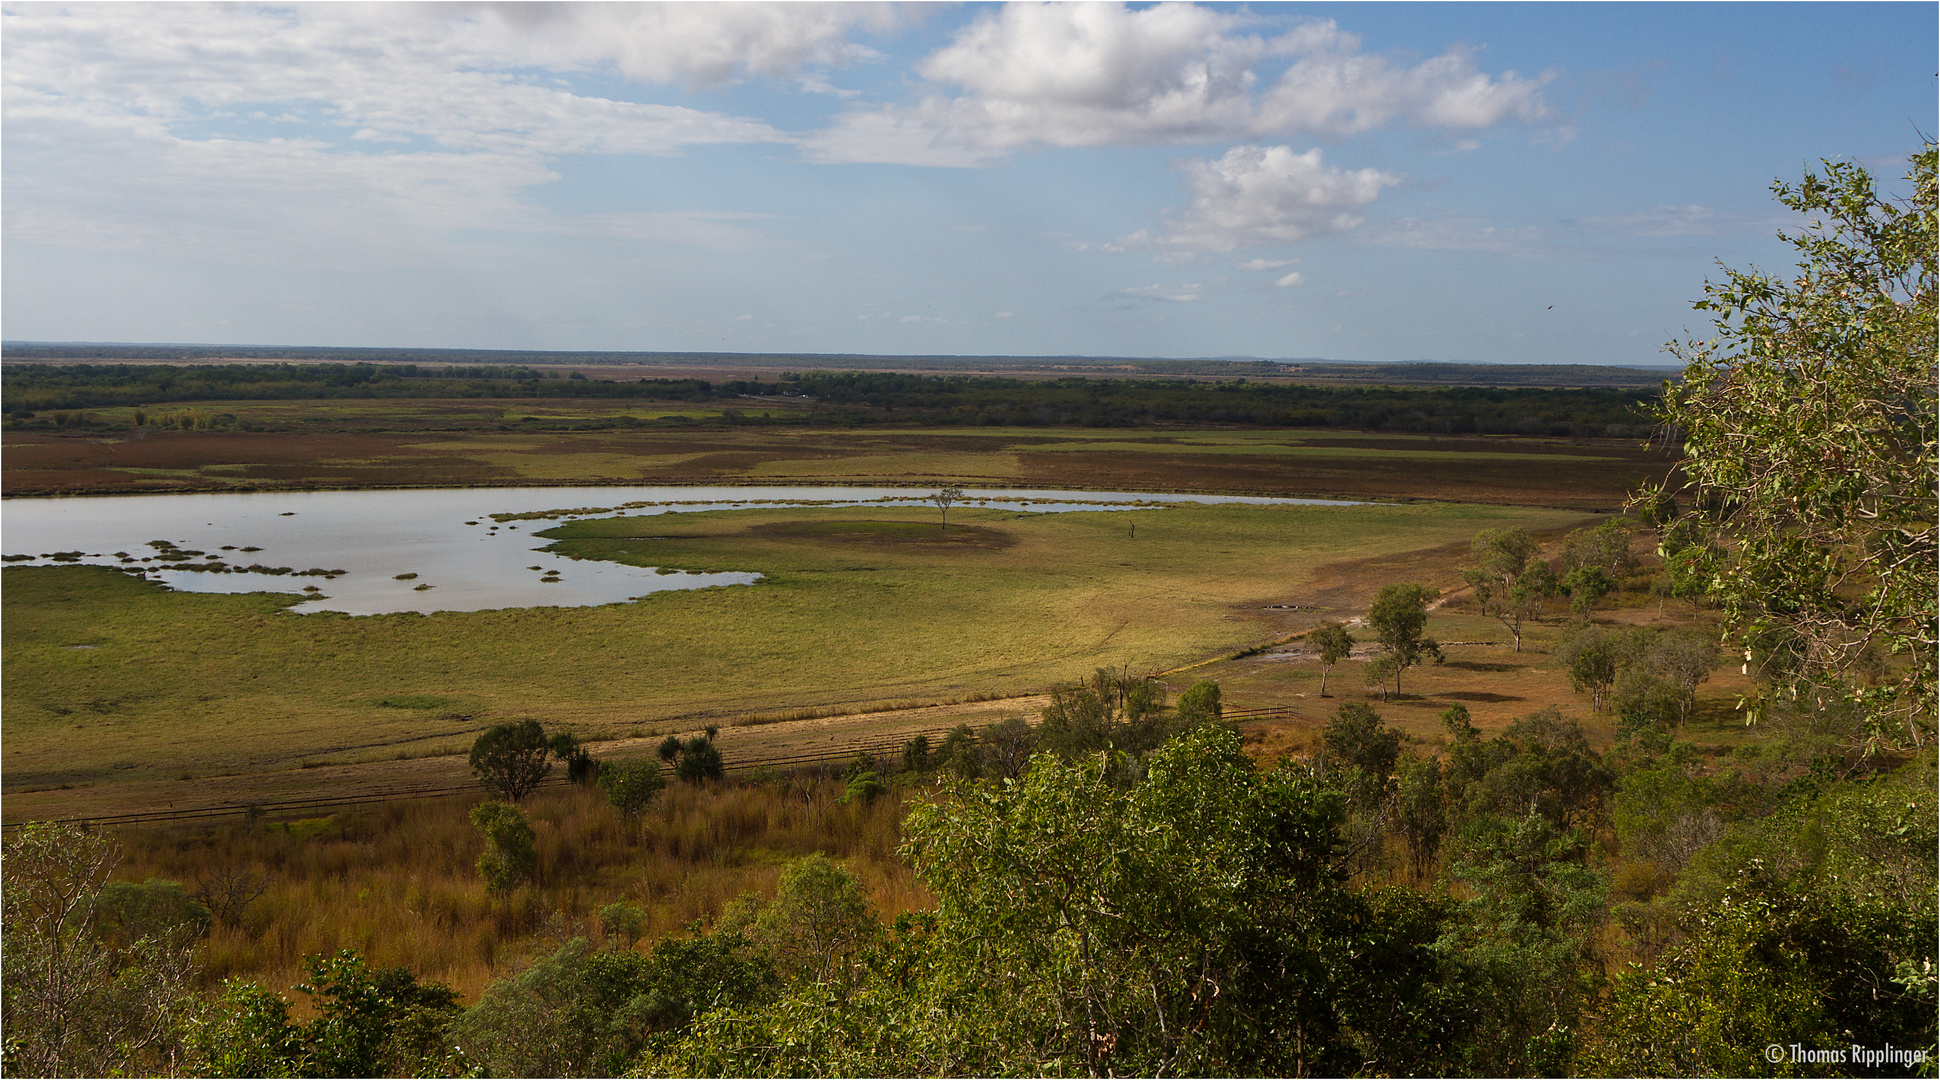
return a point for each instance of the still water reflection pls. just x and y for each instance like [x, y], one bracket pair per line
[426, 551]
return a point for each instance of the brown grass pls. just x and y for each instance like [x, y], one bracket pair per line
[398, 883]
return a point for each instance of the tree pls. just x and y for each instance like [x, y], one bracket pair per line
[509, 857]
[1334, 644]
[72, 1003]
[1419, 811]
[1200, 703]
[700, 760]
[1511, 582]
[945, 499]
[1809, 428]
[511, 759]
[1591, 657]
[631, 786]
[916, 754]
[818, 920]
[581, 766]
[623, 922]
[1365, 749]
[1398, 618]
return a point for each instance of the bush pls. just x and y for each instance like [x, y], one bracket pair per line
[699, 760]
[510, 856]
[631, 786]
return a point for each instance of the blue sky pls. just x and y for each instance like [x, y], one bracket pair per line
[1518, 183]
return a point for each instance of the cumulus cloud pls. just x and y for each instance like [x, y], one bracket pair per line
[1265, 264]
[217, 126]
[1293, 280]
[1089, 74]
[1258, 195]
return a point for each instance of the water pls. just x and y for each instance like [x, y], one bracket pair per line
[446, 538]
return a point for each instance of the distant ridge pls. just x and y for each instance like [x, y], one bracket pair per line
[1302, 369]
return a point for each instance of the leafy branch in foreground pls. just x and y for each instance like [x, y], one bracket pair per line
[1809, 431]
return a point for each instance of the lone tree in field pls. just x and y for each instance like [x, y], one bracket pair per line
[1512, 580]
[1398, 618]
[1334, 643]
[945, 499]
[511, 759]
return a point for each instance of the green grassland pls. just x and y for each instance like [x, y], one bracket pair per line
[110, 678]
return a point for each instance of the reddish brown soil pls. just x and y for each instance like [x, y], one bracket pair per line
[50, 464]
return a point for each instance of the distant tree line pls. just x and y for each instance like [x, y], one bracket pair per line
[991, 400]
[853, 398]
[37, 387]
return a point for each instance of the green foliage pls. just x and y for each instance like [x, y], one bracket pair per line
[1200, 703]
[1809, 427]
[510, 857]
[511, 759]
[1191, 922]
[580, 1012]
[959, 753]
[699, 760]
[623, 922]
[1524, 945]
[1399, 618]
[1333, 643]
[1763, 969]
[817, 922]
[864, 787]
[78, 998]
[631, 786]
[1363, 750]
[1591, 655]
[1107, 712]
[1420, 811]
[1541, 764]
[916, 755]
[1511, 582]
[369, 1022]
[127, 912]
[581, 767]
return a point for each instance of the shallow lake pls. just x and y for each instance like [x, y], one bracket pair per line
[391, 545]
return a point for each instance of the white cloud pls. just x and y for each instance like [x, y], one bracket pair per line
[1293, 280]
[1456, 234]
[1265, 264]
[1171, 294]
[232, 128]
[1003, 315]
[1661, 221]
[1090, 74]
[1264, 195]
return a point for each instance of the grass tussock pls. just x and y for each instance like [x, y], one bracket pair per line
[399, 883]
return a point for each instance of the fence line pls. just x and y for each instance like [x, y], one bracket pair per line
[285, 808]
[888, 744]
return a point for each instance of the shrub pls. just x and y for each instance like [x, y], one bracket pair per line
[510, 856]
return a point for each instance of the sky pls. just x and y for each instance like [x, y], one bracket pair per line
[1493, 183]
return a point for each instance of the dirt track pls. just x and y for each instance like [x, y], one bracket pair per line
[762, 742]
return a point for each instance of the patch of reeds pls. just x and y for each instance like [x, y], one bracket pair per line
[398, 881]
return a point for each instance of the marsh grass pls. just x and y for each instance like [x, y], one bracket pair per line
[236, 684]
[398, 882]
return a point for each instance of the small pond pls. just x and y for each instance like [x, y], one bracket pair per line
[376, 552]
